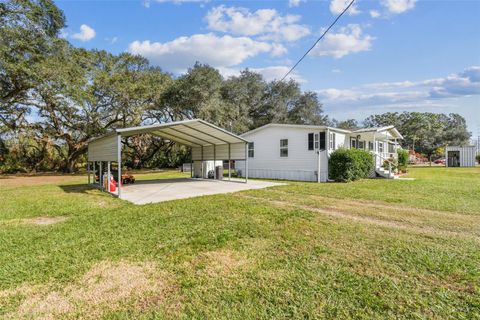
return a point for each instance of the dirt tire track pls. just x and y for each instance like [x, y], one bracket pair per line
[430, 231]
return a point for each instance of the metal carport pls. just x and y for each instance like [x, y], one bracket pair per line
[207, 142]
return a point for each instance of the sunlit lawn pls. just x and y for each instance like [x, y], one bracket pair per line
[369, 249]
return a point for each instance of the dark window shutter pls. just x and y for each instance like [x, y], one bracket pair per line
[310, 141]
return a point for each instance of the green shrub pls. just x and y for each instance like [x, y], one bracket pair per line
[350, 164]
[403, 157]
[478, 158]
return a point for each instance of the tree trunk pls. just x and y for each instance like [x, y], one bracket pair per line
[70, 166]
[72, 158]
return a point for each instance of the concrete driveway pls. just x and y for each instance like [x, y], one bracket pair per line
[152, 191]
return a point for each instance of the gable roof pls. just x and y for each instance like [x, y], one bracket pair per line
[391, 129]
[195, 132]
[299, 126]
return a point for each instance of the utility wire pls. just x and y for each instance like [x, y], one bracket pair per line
[318, 40]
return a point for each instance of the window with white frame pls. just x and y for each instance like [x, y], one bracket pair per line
[370, 145]
[380, 147]
[391, 148]
[251, 150]
[332, 140]
[361, 144]
[316, 141]
[353, 143]
[283, 148]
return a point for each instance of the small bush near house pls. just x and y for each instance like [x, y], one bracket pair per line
[350, 165]
[478, 158]
[402, 160]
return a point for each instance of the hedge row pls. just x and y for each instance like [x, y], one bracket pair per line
[350, 164]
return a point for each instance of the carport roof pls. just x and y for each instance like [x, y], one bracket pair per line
[194, 132]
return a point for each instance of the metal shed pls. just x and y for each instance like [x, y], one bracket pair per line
[207, 142]
[460, 156]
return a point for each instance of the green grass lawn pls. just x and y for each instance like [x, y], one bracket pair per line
[368, 249]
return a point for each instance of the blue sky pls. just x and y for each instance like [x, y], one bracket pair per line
[384, 55]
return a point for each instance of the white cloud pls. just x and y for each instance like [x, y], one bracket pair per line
[180, 1]
[294, 3]
[337, 6]
[111, 40]
[265, 23]
[463, 84]
[466, 82]
[398, 6]
[374, 14]
[348, 40]
[358, 97]
[86, 33]
[182, 53]
[336, 71]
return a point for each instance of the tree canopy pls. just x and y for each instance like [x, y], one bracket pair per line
[54, 98]
[424, 132]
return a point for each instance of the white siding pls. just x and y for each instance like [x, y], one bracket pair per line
[103, 149]
[237, 152]
[467, 155]
[341, 141]
[301, 163]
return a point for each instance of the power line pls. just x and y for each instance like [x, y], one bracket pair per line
[320, 38]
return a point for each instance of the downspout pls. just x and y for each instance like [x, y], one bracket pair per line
[328, 140]
[318, 166]
[246, 162]
[327, 151]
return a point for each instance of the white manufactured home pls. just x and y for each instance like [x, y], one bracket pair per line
[301, 152]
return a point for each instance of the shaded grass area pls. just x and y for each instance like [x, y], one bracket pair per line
[303, 250]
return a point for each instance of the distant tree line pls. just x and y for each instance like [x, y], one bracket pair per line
[54, 98]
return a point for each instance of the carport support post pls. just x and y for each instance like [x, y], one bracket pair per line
[108, 176]
[94, 171]
[119, 163]
[191, 162]
[214, 162]
[100, 177]
[201, 169]
[229, 171]
[88, 171]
